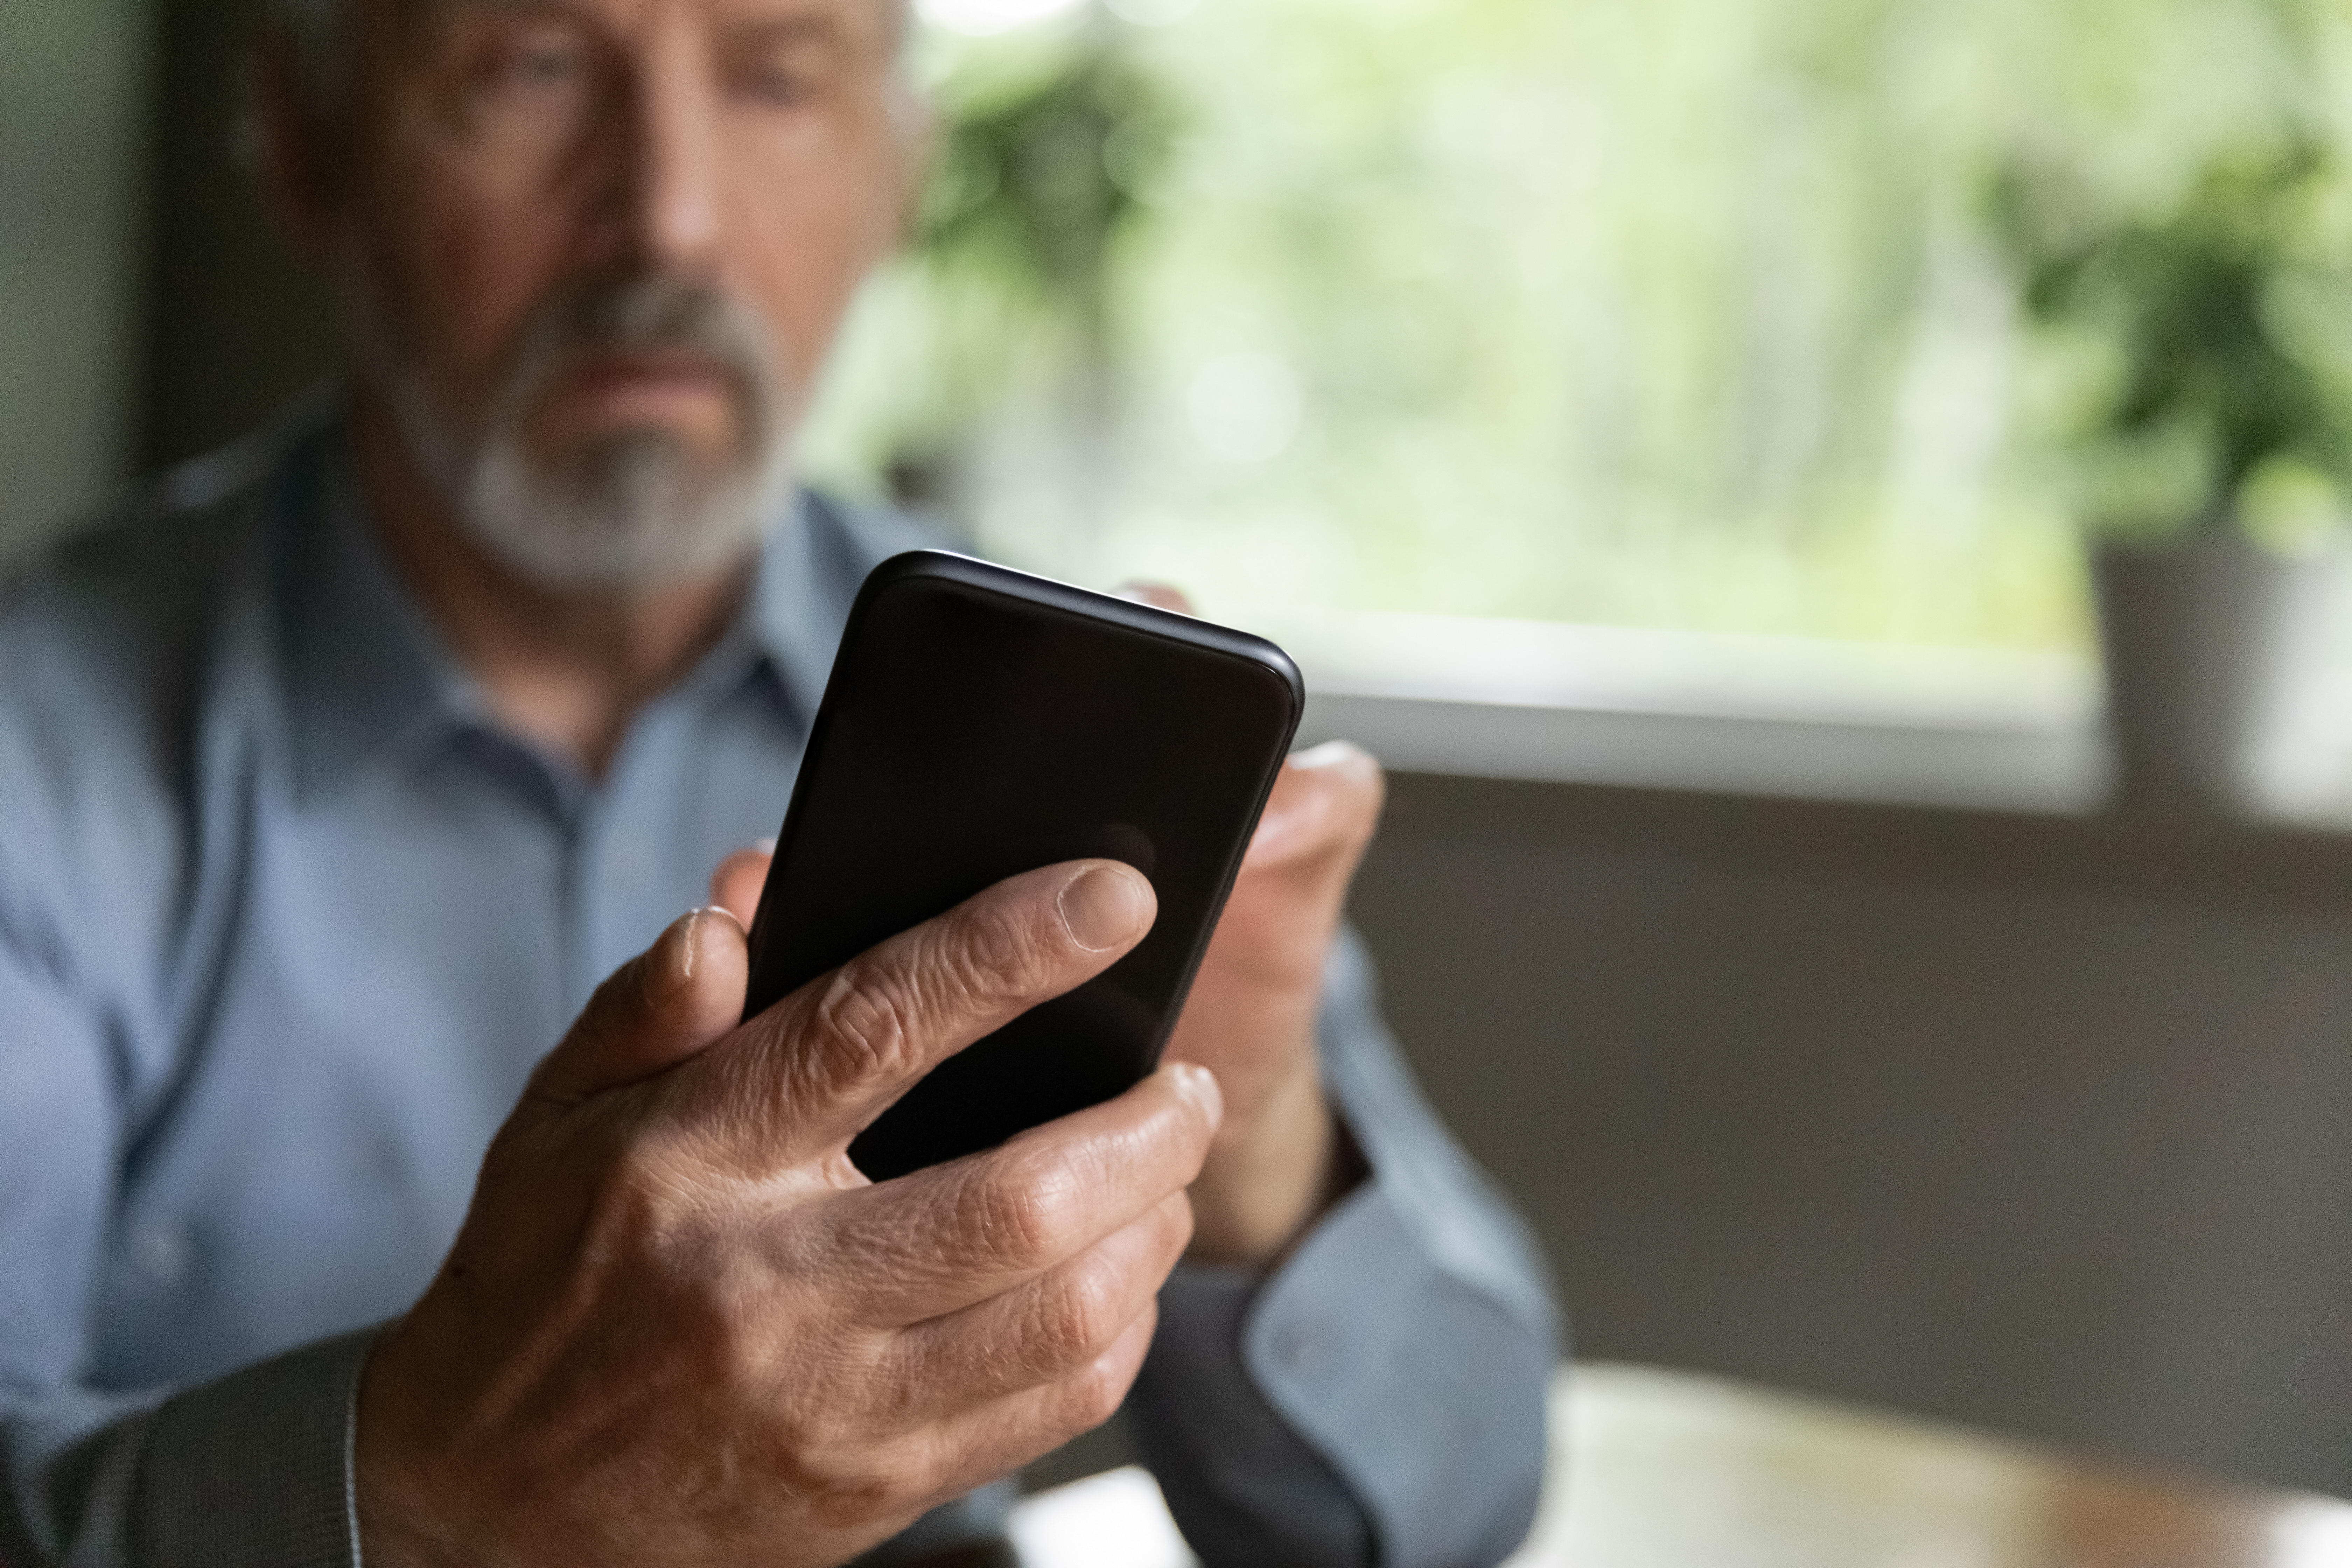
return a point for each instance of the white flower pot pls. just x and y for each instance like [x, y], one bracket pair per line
[2213, 648]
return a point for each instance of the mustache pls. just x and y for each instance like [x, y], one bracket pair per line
[670, 312]
[649, 313]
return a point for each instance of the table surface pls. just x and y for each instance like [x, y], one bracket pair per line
[1660, 1469]
[1664, 1470]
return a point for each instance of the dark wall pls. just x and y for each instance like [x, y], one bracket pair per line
[2034, 1122]
[73, 164]
[234, 324]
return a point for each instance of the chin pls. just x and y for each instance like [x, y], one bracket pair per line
[630, 510]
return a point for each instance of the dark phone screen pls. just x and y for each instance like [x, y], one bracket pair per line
[972, 732]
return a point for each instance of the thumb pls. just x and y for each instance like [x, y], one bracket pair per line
[1160, 595]
[736, 885]
[661, 1009]
[1326, 799]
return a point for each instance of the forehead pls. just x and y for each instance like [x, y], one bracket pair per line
[878, 20]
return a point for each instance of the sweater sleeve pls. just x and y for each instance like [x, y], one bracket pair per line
[250, 1469]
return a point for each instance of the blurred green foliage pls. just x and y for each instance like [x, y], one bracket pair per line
[2211, 377]
[1688, 313]
[1037, 174]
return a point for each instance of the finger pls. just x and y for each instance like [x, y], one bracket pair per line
[1160, 595]
[939, 1240]
[979, 1446]
[737, 884]
[1326, 799]
[662, 1007]
[1051, 1327]
[834, 1055]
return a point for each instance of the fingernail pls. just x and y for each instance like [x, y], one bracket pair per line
[1199, 1085]
[1330, 754]
[1104, 906]
[1158, 595]
[669, 967]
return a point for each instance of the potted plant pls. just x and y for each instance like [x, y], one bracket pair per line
[2202, 444]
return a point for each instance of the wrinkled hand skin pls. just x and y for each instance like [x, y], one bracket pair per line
[678, 1327]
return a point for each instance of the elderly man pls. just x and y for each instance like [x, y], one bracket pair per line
[338, 771]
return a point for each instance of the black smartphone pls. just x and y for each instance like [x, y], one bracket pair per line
[980, 723]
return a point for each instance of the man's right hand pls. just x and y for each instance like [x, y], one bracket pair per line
[679, 1327]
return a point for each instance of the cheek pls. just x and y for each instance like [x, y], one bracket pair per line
[489, 279]
[805, 254]
[467, 256]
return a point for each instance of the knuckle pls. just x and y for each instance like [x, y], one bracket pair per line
[1079, 1319]
[1021, 1218]
[999, 950]
[639, 1199]
[862, 1026]
[844, 1498]
[712, 1335]
[1176, 1224]
[927, 1471]
[821, 1448]
[1094, 1395]
[873, 1485]
[830, 1453]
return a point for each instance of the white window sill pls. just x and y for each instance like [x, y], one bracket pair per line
[1730, 715]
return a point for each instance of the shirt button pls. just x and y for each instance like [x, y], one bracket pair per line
[160, 1251]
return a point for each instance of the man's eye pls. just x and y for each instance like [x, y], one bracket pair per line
[538, 65]
[781, 86]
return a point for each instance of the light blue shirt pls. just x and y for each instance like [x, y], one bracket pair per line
[286, 917]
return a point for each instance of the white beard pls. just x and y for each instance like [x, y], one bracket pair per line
[634, 509]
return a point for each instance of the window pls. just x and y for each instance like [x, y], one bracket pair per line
[1681, 314]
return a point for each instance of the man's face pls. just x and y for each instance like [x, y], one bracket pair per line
[597, 249]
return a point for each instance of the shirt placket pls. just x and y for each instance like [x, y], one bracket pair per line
[619, 879]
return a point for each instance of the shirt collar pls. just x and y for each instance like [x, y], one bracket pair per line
[373, 682]
[808, 576]
[368, 678]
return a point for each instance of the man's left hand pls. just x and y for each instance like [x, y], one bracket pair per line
[1275, 1163]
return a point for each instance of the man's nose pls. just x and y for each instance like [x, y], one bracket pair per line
[671, 196]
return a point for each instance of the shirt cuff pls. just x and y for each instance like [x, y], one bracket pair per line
[1422, 1391]
[1248, 1490]
[256, 1468]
